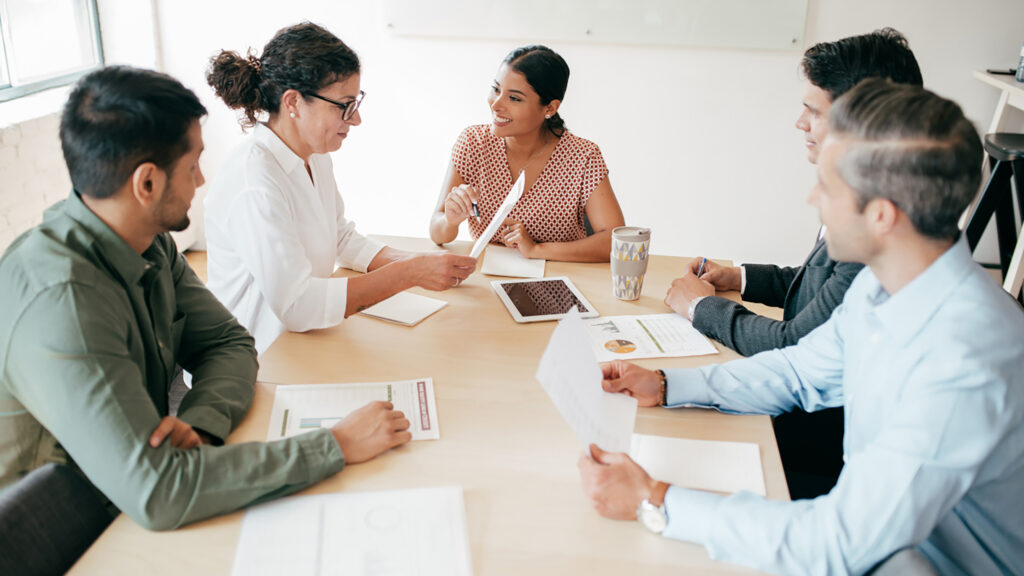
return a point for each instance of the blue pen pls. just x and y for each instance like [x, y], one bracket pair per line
[700, 270]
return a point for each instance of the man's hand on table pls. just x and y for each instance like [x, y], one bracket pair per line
[371, 431]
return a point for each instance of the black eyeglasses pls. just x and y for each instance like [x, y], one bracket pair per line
[348, 109]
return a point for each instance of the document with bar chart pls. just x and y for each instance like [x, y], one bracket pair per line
[301, 408]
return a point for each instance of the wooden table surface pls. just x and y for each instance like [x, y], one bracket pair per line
[502, 439]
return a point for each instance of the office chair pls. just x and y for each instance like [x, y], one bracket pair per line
[47, 521]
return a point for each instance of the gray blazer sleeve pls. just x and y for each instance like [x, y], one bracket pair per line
[768, 284]
[747, 333]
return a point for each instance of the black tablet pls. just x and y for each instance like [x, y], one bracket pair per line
[540, 299]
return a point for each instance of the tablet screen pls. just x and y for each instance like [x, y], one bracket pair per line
[542, 297]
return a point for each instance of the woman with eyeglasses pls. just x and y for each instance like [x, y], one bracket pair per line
[275, 223]
[566, 180]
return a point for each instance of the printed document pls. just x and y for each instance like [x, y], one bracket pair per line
[701, 464]
[300, 408]
[505, 261]
[499, 217]
[570, 375]
[646, 336]
[405, 308]
[394, 533]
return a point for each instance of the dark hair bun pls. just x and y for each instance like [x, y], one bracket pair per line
[236, 81]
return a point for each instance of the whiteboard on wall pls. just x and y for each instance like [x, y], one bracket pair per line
[755, 24]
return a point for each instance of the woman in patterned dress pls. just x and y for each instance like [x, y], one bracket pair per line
[566, 177]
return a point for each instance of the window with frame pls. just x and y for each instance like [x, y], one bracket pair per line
[46, 43]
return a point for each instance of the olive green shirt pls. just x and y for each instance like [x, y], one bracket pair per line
[90, 334]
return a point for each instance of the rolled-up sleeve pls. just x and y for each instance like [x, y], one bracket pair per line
[69, 364]
[268, 243]
[217, 351]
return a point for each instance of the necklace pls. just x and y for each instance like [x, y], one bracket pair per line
[530, 160]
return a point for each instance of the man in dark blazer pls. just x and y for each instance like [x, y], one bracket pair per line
[810, 444]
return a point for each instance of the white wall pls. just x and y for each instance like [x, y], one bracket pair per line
[700, 142]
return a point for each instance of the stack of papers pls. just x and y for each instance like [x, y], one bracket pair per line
[302, 408]
[647, 336]
[405, 308]
[505, 261]
[394, 533]
[700, 464]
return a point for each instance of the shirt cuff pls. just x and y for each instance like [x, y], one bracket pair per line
[320, 453]
[743, 280]
[337, 301]
[690, 513]
[685, 388]
[366, 254]
[211, 421]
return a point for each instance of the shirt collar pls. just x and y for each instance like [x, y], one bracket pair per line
[288, 160]
[125, 261]
[904, 313]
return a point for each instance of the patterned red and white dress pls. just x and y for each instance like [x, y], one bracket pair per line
[552, 209]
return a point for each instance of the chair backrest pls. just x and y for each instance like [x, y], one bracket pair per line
[48, 520]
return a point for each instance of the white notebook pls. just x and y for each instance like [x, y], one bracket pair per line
[405, 308]
[701, 464]
[505, 261]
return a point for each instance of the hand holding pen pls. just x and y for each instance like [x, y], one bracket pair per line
[721, 277]
[461, 203]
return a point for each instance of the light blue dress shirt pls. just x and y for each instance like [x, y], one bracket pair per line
[932, 383]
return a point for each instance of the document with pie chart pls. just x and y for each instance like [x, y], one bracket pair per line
[646, 336]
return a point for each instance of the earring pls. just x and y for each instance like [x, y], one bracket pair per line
[547, 116]
[292, 114]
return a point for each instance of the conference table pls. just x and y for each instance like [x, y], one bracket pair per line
[502, 439]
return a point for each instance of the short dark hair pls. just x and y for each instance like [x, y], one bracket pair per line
[838, 66]
[547, 73]
[119, 117]
[304, 57]
[911, 147]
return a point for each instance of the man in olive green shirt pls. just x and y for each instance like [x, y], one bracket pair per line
[99, 308]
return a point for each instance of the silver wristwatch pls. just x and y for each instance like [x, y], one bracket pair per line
[654, 518]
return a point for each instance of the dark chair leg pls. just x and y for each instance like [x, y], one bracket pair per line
[995, 188]
[1006, 227]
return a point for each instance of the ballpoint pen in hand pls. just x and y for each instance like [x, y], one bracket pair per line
[476, 212]
[700, 269]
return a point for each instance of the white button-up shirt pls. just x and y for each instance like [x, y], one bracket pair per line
[932, 383]
[274, 237]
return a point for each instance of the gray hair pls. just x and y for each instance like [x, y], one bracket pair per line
[911, 147]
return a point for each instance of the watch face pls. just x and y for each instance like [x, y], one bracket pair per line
[653, 517]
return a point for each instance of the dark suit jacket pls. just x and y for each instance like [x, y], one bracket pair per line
[807, 294]
[811, 445]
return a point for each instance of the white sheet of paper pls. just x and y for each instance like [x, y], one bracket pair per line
[393, 533]
[646, 336]
[405, 308]
[499, 217]
[301, 408]
[505, 261]
[700, 464]
[570, 375]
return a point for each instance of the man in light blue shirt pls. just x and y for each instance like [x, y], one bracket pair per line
[926, 354]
